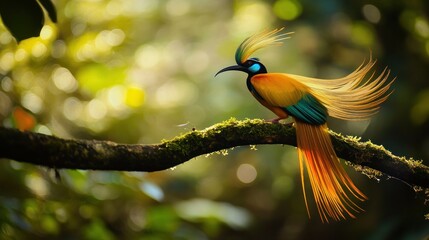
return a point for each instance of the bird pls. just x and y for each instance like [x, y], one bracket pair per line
[309, 101]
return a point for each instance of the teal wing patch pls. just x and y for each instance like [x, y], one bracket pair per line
[308, 110]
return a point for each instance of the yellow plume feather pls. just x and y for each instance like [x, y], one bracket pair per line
[258, 41]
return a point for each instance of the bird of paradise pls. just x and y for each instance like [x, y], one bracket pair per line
[309, 101]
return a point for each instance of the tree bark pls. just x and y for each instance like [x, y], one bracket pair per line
[54, 152]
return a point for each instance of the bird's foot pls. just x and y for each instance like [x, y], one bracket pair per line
[275, 120]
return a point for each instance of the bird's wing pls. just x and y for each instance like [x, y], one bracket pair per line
[280, 90]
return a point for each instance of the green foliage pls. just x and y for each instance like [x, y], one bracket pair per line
[96, 230]
[25, 18]
[94, 77]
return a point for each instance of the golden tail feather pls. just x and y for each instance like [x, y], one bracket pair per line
[330, 184]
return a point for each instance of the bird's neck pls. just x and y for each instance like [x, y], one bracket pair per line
[249, 84]
[251, 88]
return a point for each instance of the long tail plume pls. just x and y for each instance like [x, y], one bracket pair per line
[332, 188]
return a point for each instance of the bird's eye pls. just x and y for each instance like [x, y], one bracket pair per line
[255, 67]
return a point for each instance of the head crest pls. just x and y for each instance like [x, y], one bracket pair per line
[258, 41]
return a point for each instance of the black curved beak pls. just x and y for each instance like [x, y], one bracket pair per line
[232, 68]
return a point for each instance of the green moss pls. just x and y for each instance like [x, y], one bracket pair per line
[187, 142]
[367, 171]
[379, 149]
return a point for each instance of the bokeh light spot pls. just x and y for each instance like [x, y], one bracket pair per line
[5, 37]
[371, 13]
[72, 109]
[287, 9]
[134, 97]
[246, 173]
[116, 96]
[422, 27]
[96, 109]
[6, 84]
[251, 16]
[43, 130]
[61, 215]
[106, 39]
[59, 49]
[115, 37]
[47, 32]
[37, 185]
[7, 62]
[39, 49]
[147, 56]
[64, 80]
[78, 28]
[21, 55]
[32, 102]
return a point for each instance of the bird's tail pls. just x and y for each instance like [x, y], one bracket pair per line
[332, 188]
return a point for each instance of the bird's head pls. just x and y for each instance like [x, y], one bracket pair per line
[253, 66]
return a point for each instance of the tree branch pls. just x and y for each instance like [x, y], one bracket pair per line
[60, 153]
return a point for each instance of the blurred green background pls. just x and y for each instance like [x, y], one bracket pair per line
[135, 71]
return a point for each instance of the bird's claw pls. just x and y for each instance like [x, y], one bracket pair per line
[277, 121]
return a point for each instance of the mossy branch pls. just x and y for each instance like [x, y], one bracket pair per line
[60, 153]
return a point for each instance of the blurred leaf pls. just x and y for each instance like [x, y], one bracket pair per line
[162, 219]
[287, 9]
[134, 97]
[23, 120]
[152, 190]
[50, 8]
[97, 230]
[49, 224]
[24, 18]
[95, 77]
[197, 209]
